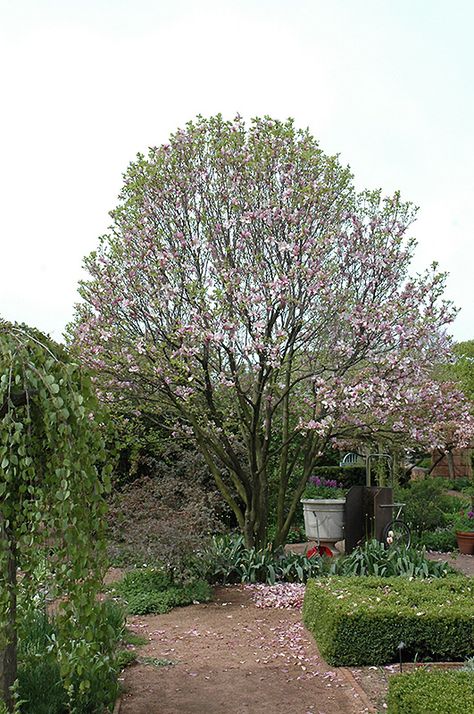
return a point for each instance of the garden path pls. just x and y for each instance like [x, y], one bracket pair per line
[463, 563]
[230, 656]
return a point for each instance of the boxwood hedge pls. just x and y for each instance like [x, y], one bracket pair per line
[425, 692]
[361, 621]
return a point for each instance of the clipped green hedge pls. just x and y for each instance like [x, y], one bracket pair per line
[349, 475]
[361, 621]
[424, 692]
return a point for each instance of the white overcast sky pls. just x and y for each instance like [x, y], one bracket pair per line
[86, 84]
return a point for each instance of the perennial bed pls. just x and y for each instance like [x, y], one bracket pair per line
[362, 621]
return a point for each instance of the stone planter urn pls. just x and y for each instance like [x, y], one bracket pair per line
[325, 515]
[465, 542]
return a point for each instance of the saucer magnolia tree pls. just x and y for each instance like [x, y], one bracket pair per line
[248, 289]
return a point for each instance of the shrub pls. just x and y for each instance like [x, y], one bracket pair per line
[462, 483]
[161, 518]
[147, 591]
[347, 475]
[373, 558]
[40, 685]
[424, 692]
[442, 540]
[361, 621]
[427, 504]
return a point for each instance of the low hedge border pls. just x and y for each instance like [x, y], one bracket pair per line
[425, 692]
[361, 621]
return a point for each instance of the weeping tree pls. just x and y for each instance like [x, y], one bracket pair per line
[246, 288]
[51, 502]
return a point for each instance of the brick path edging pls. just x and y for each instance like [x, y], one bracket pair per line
[363, 698]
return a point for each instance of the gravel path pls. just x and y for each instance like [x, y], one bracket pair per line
[232, 656]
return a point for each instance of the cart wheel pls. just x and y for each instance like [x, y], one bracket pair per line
[396, 534]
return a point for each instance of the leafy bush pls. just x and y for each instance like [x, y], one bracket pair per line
[424, 692]
[163, 517]
[361, 621]
[40, 685]
[463, 483]
[427, 504]
[227, 560]
[442, 540]
[296, 535]
[373, 558]
[148, 591]
[463, 520]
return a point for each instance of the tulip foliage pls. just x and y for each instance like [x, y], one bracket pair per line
[246, 288]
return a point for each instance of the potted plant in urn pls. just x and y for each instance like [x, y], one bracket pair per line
[464, 527]
[323, 509]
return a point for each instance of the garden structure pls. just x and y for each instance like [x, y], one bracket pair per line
[363, 513]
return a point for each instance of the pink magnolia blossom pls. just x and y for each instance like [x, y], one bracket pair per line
[249, 290]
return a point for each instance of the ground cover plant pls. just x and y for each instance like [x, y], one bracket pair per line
[153, 591]
[431, 692]
[248, 290]
[362, 621]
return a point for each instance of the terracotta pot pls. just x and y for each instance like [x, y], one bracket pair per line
[465, 542]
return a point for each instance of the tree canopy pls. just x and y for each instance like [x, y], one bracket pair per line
[463, 368]
[247, 288]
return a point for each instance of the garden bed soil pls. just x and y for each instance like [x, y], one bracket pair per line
[230, 656]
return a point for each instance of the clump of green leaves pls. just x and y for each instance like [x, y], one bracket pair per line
[373, 558]
[40, 683]
[228, 560]
[442, 540]
[146, 591]
[427, 505]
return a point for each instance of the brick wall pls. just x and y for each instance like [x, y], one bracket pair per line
[455, 465]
